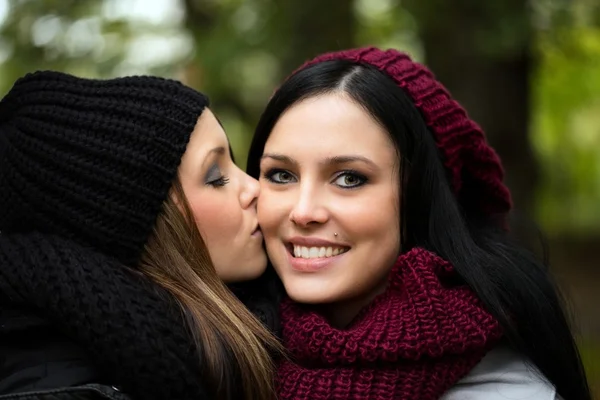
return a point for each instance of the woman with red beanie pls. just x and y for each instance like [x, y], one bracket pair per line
[385, 216]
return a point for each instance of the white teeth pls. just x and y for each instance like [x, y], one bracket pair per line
[304, 251]
[317, 252]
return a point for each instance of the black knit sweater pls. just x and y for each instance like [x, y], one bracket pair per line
[134, 333]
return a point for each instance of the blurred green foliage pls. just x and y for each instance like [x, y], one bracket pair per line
[566, 128]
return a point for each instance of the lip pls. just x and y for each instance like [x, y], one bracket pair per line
[313, 264]
[256, 231]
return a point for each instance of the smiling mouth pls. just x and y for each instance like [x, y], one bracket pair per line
[316, 252]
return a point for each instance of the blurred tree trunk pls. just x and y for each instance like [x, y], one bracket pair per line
[481, 51]
[316, 27]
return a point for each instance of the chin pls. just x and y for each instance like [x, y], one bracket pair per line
[247, 271]
[309, 293]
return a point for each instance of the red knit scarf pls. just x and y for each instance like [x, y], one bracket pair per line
[415, 341]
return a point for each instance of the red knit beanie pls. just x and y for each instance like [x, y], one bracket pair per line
[475, 168]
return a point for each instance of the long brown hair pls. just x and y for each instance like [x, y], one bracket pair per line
[233, 345]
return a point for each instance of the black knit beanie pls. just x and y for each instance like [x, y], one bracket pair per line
[92, 160]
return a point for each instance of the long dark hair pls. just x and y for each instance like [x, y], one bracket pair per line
[513, 283]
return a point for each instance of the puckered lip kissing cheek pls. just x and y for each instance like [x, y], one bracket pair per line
[310, 254]
[256, 232]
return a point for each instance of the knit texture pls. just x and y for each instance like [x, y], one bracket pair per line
[134, 335]
[415, 341]
[92, 160]
[475, 170]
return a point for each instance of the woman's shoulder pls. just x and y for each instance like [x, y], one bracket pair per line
[503, 374]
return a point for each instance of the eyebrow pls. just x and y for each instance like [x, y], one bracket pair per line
[217, 150]
[345, 159]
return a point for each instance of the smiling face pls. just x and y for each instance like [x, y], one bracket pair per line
[329, 201]
[222, 199]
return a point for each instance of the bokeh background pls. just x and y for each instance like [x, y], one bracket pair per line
[527, 71]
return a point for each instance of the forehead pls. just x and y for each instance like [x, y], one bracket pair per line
[207, 133]
[208, 128]
[329, 125]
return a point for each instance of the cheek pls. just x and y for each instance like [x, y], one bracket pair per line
[372, 224]
[271, 208]
[213, 216]
[370, 216]
[201, 208]
[262, 207]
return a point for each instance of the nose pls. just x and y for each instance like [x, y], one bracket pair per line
[308, 209]
[250, 189]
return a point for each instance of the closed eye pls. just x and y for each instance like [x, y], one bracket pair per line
[215, 177]
[219, 182]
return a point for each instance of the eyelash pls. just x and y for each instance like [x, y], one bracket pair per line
[220, 182]
[350, 172]
[353, 173]
[272, 172]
